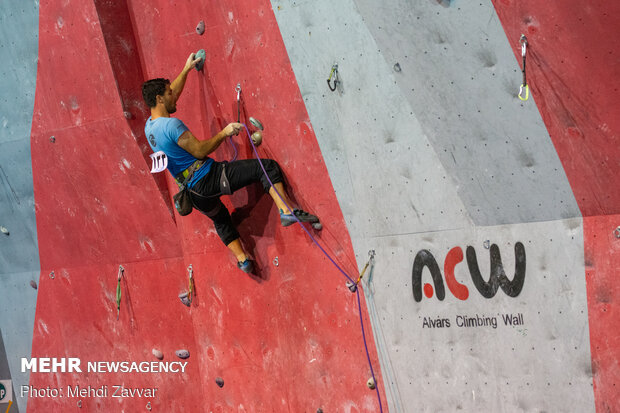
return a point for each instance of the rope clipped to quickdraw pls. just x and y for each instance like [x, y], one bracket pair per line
[333, 73]
[121, 272]
[524, 87]
[353, 286]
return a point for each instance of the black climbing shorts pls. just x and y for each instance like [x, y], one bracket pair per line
[240, 174]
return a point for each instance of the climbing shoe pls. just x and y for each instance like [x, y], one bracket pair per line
[303, 216]
[246, 266]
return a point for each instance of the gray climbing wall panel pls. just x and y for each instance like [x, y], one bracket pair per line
[429, 148]
[19, 255]
[459, 75]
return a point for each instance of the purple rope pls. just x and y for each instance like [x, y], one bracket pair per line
[235, 148]
[359, 303]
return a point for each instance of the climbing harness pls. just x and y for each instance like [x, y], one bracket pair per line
[184, 177]
[121, 272]
[524, 87]
[333, 73]
[353, 285]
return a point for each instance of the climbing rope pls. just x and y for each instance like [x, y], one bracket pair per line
[359, 304]
[121, 271]
[524, 86]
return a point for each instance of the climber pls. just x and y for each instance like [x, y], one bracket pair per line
[209, 179]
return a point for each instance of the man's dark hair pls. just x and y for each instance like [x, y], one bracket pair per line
[153, 88]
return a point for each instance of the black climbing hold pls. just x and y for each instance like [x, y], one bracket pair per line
[319, 410]
[33, 284]
[200, 28]
[397, 67]
[200, 54]
[182, 354]
[219, 381]
[352, 286]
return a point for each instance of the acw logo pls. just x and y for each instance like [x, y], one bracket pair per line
[487, 288]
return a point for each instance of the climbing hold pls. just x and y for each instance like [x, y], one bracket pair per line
[371, 383]
[158, 354]
[79, 404]
[276, 262]
[397, 67]
[52, 139]
[182, 354]
[352, 286]
[200, 54]
[200, 27]
[185, 299]
[256, 123]
[219, 381]
[617, 232]
[4, 231]
[486, 244]
[148, 406]
[52, 275]
[317, 225]
[257, 138]
[33, 284]
[319, 410]
[127, 115]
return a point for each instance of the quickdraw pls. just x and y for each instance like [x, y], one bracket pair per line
[121, 272]
[524, 87]
[353, 286]
[333, 73]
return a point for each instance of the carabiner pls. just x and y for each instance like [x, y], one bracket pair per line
[524, 86]
[333, 73]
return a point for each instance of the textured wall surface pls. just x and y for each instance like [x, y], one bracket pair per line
[19, 257]
[431, 152]
[287, 340]
[492, 220]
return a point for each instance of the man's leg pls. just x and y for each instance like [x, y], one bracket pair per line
[237, 249]
[215, 209]
[245, 172]
[282, 205]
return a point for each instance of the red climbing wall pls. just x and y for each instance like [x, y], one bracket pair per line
[573, 67]
[287, 341]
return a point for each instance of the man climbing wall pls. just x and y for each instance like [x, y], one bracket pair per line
[202, 180]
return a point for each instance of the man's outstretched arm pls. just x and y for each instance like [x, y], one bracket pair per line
[201, 149]
[178, 84]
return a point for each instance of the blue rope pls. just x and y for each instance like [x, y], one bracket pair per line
[359, 303]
